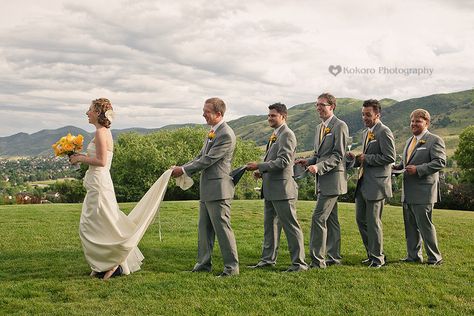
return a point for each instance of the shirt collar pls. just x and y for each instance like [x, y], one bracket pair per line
[326, 122]
[276, 130]
[420, 136]
[215, 127]
[372, 128]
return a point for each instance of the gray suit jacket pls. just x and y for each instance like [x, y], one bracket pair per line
[329, 158]
[277, 168]
[215, 162]
[429, 157]
[376, 184]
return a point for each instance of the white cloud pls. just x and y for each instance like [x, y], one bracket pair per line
[158, 61]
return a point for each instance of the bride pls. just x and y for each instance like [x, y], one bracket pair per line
[109, 237]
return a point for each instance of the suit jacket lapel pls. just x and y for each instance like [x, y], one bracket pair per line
[364, 138]
[330, 125]
[207, 145]
[413, 152]
[317, 143]
[405, 150]
[268, 149]
[376, 127]
[418, 144]
[269, 146]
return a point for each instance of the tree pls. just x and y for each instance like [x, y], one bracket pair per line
[464, 154]
[70, 191]
[139, 160]
[246, 151]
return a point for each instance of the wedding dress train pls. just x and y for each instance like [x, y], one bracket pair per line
[109, 237]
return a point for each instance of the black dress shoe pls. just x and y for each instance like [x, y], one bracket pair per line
[296, 268]
[317, 266]
[100, 275]
[261, 265]
[375, 265]
[366, 261]
[117, 272]
[410, 260]
[200, 270]
[223, 275]
[226, 274]
[333, 263]
[437, 263]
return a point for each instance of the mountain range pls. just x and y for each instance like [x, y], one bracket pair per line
[450, 114]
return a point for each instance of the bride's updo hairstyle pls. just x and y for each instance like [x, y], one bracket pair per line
[105, 110]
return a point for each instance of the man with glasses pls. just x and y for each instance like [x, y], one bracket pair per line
[328, 166]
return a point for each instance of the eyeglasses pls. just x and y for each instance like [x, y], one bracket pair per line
[321, 104]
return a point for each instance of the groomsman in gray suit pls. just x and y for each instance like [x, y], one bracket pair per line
[216, 190]
[374, 183]
[331, 181]
[423, 157]
[280, 192]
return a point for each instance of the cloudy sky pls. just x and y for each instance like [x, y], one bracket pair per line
[157, 61]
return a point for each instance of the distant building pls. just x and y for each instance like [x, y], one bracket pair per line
[27, 198]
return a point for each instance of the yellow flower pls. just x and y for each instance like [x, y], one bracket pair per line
[69, 138]
[422, 141]
[69, 147]
[57, 152]
[78, 140]
[371, 136]
[273, 138]
[327, 130]
[211, 135]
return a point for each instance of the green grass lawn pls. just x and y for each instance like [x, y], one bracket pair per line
[43, 270]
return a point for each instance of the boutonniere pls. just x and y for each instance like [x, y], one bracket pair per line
[327, 130]
[211, 135]
[422, 141]
[370, 136]
[273, 138]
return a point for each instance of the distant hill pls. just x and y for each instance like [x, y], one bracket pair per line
[39, 144]
[302, 119]
[451, 113]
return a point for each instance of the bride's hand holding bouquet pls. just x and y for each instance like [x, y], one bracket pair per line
[69, 145]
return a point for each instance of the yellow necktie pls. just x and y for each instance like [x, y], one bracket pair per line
[366, 140]
[411, 148]
[361, 169]
[321, 132]
[271, 140]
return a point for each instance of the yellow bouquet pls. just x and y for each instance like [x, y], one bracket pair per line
[68, 145]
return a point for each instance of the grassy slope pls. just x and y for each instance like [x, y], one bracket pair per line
[44, 272]
[457, 107]
[301, 118]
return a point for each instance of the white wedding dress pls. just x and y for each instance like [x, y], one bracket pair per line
[109, 237]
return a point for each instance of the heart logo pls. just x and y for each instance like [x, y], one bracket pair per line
[335, 70]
